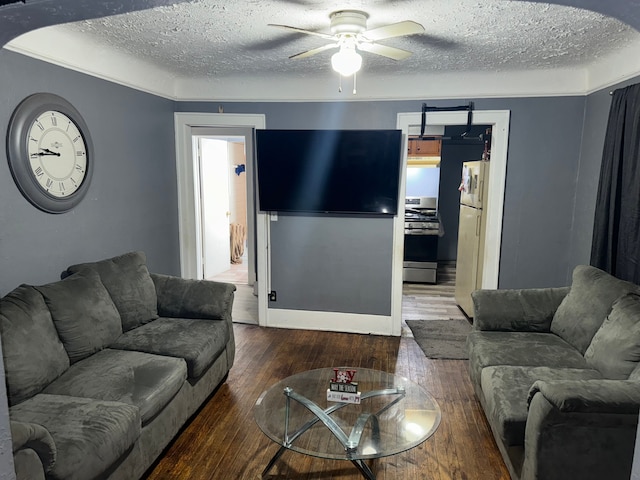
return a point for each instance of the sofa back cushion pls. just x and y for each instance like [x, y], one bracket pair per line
[83, 313]
[615, 348]
[32, 352]
[588, 303]
[129, 283]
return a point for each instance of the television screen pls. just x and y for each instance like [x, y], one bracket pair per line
[329, 171]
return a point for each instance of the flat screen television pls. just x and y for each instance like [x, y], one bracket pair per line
[329, 171]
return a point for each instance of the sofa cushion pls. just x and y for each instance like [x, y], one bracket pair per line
[147, 381]
[84, 315]
[615, 348]
[128, 281]
[33, 354]
[90, 435]
[199, 342]
[588, 303]
[506, 388]
[520, 349]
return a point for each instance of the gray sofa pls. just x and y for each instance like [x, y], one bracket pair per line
[105, 366]
[556, 371]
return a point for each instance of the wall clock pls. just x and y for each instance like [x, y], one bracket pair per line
[50, 152]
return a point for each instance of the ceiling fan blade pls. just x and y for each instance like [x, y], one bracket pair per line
[393, 30]
[385, 51]
[301, 30]
[308, 53]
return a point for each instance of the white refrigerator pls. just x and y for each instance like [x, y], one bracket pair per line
[471, 232]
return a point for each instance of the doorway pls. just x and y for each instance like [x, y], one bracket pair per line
[498, 120]
[186, 126]
[223, 158]
[227, 249]
[223, 199]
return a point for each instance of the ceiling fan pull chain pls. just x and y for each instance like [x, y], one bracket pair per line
[354, 83]
[340, 83]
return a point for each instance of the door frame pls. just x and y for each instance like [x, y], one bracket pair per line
[190, 265]
[410, 123]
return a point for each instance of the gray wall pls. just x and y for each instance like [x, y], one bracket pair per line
[341, 264]
[132, 201]
[543, 161]
[332, 263]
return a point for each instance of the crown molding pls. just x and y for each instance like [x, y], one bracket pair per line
[63, 49]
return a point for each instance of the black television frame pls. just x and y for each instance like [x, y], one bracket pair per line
[351, 172]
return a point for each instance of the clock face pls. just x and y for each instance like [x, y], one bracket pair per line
[57, 153]
[50, 152]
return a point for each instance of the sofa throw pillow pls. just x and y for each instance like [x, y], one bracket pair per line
[129, 283]
[588, 303]
[32, 352]
[83, 313]
[615, 348]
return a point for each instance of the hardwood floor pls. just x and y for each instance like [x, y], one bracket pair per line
[223, 441]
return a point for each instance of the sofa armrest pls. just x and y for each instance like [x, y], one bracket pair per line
[186, 298]
[590, 396]
[35, 437]
[516, 310]
[581, 429]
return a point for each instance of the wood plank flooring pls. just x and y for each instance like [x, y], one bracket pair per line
[423, 301]
[223, 441]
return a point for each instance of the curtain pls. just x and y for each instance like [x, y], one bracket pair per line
[616, 233]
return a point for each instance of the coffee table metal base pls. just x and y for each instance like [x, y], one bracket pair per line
[351, 442]
[360, 465]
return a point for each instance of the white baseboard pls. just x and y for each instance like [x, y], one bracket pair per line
[330, 321]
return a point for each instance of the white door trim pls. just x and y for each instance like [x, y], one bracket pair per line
[409, 123]
[187, 204]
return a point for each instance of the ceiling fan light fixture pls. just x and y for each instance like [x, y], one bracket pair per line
[347, 61]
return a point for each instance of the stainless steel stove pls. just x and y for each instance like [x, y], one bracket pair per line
[421, 232]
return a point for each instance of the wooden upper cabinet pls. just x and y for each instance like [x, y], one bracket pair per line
[424, 148]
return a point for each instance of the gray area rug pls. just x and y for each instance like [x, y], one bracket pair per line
[441, 338]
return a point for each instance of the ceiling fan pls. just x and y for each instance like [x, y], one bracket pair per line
[349, 33]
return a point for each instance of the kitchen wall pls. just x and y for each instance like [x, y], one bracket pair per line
[423, 181]
[132, 201]
[454, 154]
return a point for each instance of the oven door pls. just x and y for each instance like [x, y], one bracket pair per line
[421, 247]
[420, 256]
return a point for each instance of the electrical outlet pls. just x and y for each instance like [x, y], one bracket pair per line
[272, 296]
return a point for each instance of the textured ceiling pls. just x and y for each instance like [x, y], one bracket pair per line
[209, 38]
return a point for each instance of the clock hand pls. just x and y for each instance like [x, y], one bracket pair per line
[48, 152]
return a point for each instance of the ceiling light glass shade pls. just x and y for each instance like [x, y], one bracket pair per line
[347, 61]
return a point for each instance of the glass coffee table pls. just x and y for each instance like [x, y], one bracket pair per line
[394, 415]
